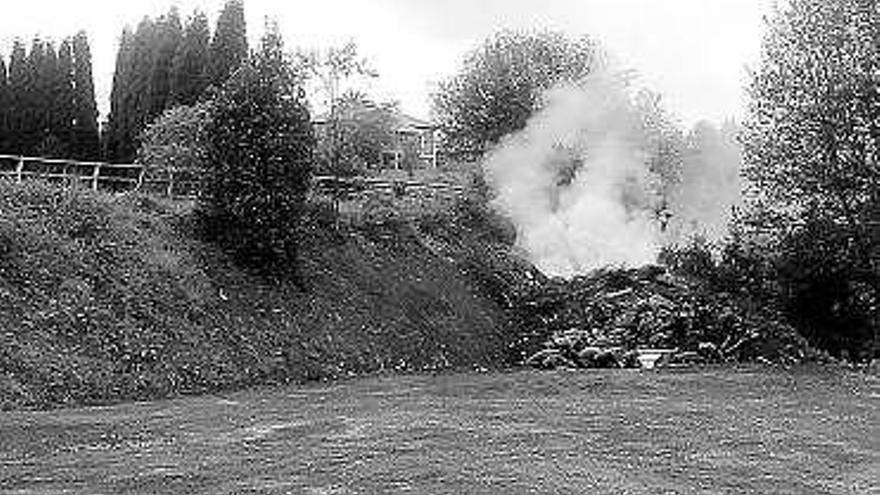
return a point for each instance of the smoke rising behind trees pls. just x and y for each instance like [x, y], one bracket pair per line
[593, 181]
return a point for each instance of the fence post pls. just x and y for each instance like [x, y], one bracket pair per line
[95, 173]
[140, 181]
[20, 168]
[170, 188]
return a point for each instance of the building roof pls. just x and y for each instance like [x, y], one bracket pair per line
[402, 122]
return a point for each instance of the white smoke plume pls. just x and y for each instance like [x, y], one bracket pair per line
[576, 181]
[709, 188]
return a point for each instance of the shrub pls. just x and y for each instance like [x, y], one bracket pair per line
[260, 151]
[175, 144]
[832, 302]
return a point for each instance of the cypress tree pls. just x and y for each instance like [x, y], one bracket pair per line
[131, 94]
[18, 86]
[62, 96]
[140, 97]
[190, 70]
[168, 34]
[118, 93]
[35, 105]
[4, 107]
[84, 108]
[229, 46]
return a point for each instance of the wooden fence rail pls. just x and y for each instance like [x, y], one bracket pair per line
[98, 175]
[116, 177]
[350, 188]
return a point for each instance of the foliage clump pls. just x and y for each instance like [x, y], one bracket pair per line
[260, 151]
[174, 146]
[811, 152]
[501, 85]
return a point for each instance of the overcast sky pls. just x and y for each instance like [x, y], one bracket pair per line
[694, 52]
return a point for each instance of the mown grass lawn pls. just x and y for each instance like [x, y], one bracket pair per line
[745, 430]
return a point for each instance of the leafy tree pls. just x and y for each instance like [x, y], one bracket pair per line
[190, 70]
[86, 143]
[813, 142]
[501, 83]
[664, 145]
[364, 129]
[229, 47]
[331, 70]
[260, 152]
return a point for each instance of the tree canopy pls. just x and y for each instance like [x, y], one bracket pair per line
[86, 141]
[501, 83]
[334, 73]
[40, 95]
[260, 151]
[812, 145]
[160, 64]
[364, 128]
[229, 47]
[4, 105]
[190, 73]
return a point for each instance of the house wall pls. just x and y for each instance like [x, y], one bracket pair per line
[422, 141]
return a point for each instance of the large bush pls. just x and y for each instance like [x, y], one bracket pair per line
[174, 146]
[260, 152]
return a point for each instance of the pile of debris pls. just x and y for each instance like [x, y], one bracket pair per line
[608, 318]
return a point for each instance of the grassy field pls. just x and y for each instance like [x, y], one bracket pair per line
[745, 430]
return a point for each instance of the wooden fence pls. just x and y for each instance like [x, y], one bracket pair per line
[97, 175]
[354, 187]
[111, 177]
[181, 184]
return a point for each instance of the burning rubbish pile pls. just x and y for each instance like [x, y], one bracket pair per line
[606, 318]
[582, 185]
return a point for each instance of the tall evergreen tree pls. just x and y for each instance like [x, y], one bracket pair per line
[168, 34]
[229, 46]
[132, 90]
[140, 95]
[4, 107]
[61, 124]
[190, 70]
[85, 109]
[18, 95]
[117, 121]
[35, 103]
[52, 141]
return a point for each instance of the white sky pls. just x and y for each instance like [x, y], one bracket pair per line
[694, 52]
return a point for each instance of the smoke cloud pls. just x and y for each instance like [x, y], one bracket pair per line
[709, 189]
[576, 181]
[578, 184]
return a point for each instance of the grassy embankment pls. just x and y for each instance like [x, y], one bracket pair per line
[106, 299]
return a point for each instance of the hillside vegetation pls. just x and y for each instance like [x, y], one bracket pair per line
[107, 298]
